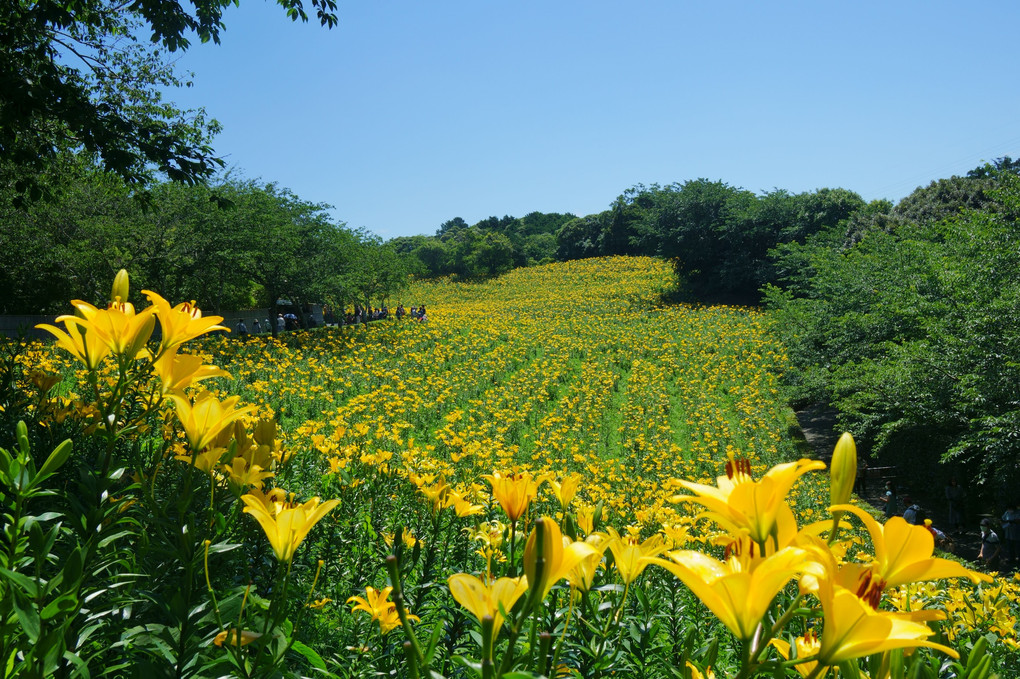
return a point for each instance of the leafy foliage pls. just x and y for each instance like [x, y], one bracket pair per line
[912, 328]
[80, 76]
[235, 245]
[717, 236]
[488, 248]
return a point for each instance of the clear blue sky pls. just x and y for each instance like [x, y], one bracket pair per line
[410, 113]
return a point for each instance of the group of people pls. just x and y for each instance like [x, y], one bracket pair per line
[997, 552]
[287, 321]
[364, 315]
[290, 321]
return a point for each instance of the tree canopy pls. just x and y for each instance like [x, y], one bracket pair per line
[911, 330]
[233, 245]
[87, 75]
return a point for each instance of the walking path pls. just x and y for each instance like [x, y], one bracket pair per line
[818, 423]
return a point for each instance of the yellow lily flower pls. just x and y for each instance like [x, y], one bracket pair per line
[854, 629]
[481, 599]
[739, 590]
[241, 473]
[274, 501]
[561, 555]
[463, 507]
[205, 461]
[204, 419]
[377, 604]
[119, 327]
[903, 554]
[582, 576]
[513, 492]
[287, 526]
[181, 323]
[566, 489]
[698, 674]
[627, 554]
[178, 371]
[436, 494]
[740, 503]
[243, 639]
[586, 519]
[88, 347]
[806, 646]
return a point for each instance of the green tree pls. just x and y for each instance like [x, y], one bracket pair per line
[80, 76]
[493, 254]
[434, 257]
[909, 333]
[579, 238]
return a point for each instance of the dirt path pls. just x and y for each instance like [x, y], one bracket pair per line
[818, 422]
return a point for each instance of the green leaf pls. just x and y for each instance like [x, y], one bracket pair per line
[73, 567]
[27, 584]
[62, 605]
[5, 462]
[28, 616]
[310, 655]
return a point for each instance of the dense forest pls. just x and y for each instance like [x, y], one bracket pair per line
[907, 319]
[228, 244]
[717, 236]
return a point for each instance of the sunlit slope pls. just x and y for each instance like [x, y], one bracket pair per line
[566, 367]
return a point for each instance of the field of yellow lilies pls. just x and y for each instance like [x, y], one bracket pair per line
[556, 475]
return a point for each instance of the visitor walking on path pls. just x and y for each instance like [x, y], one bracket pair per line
[954, 497]
[890, 500]
[1011, 532]
[991, 546]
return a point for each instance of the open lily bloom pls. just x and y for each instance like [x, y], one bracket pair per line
[565, 489]
[287, 526]
[740, 503]
[377, 604]
[183, 322]
[803, 647]
[119, 327]
[738, 590]
[204, 419]
[87, 347]
[487, 599]
[582, 576]
[853, 629]
[177, 371]
[514, 492]
[903, 553]
[628, 553]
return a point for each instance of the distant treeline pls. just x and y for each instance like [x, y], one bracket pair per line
[717, 236]
[231, 245]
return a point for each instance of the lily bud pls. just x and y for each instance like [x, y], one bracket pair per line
[842, 475]
[843, 470]
[119, 293]
[540, 546]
